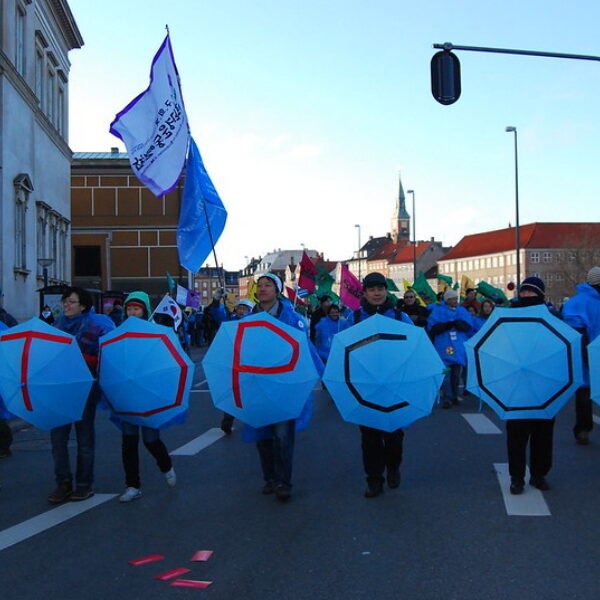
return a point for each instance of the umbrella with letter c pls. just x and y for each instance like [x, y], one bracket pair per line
[43, 377]
[260, 370]
[145, 374]
[525, 363]
[383, 373]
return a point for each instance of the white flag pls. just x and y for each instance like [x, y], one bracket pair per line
[168, 306]
[154, 127]
[182, 295]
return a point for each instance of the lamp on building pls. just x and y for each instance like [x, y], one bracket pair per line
[414, 220]
[511, 129]
[358, 254]
[44, 263]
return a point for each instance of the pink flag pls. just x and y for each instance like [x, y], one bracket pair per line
[350, 289]
[308, 273]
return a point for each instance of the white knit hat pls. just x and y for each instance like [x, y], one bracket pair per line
[450, 294]
[593, 276]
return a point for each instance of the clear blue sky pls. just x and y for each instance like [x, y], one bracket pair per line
[305, 112]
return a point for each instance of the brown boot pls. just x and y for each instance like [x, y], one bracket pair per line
[62, 493]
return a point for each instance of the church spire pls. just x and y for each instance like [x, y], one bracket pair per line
[400, 218]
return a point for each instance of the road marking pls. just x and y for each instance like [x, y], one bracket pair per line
[202, 441]
[17, 533]
[197, 385]
[480, 423]
[596, 420]
[530, 503]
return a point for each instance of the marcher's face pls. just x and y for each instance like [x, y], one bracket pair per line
[471, 296]
[334, 314]
[472, 311]
[452, 302]
[242, 310]
[72, 307]
[135, 311]
[266, 290]
[325, 306]
[527, 294]
[376, 294]
[487, 308]
[409, 299]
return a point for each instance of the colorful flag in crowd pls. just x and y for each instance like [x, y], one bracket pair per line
[170, 283]
[168, 306]
[445, 282]
[181, 295]
[154, 127]
[491, 292]
[293, 296]
[308, 273]
[252, 291]
[391, 285]
[350, 289]
[324, 282]
[202, 216]
[465, 284]
[193, 299]
[423, 289]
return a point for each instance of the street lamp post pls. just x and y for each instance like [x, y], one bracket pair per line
[414, 221]
[359, 247]
[45, 263]
[511, 129]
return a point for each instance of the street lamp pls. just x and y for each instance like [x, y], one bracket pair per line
[359, 247]
[45, 263]
[511, 129]
[414, 220]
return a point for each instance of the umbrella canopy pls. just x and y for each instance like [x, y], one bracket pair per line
[383, 373]
[524, 362]
[260, 370]
[43, 376]
[144, 373]
[594, 358]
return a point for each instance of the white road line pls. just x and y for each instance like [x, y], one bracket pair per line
[480, 423]
[596, 420]
[197, 385]
[203, 441]
[17, 533]
[530, 503]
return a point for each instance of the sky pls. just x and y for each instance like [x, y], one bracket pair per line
[306, 113]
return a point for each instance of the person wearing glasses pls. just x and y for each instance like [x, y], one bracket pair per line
[417, 313]
[87, 327]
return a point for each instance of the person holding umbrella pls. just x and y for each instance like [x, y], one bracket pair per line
[137, 304]
[381, 450]
[87, 327]
[537, 432]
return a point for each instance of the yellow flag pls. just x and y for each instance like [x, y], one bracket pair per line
[252, 290]
[408, 286]
[465, 284]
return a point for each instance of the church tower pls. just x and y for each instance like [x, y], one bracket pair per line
[400, 218]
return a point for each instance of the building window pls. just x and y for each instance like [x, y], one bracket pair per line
[50, 98]
[495, 261]
[39, 76]
[534, 257]
[559, 276]
[547, 257]
[60, 111]
[488, 263]
[501, 261]
[470, 265]
[23, 187]
[20, 40]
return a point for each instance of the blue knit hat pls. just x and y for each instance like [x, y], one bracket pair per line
[534, 284]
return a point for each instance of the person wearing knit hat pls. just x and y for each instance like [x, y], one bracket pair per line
[582, 312]
[449, 326]
[137, 304]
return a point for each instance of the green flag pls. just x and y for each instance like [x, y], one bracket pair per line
[324, 282]
[424, 290]
[170, 283]
[491, 292]
[391, 286]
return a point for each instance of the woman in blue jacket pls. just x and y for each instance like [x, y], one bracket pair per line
[326, 328]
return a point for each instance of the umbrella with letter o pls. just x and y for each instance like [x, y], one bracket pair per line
[144, 373]
[525, 363]
[383, 373]
[43, 376]
[260, 370]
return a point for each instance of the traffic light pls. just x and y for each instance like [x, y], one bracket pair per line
[445, 77]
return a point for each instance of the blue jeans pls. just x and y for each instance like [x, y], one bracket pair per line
[276, 453]
[84, 430]
[451, 383]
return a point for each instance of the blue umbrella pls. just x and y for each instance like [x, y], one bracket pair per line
[524, 362]
[145, 374]
[260, 370]
[43, 376]
[383, 373]
[594, 362]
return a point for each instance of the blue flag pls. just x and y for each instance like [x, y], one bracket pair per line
[202, 216]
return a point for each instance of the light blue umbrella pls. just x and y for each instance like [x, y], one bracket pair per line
[260, 370]
[594, 362]
[525, 363]
[383, 373]
[43, 376]
[145, 374]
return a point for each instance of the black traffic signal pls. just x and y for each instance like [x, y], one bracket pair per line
[445, 77]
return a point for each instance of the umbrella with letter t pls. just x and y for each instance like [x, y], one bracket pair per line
[43, 376]
[525, 363]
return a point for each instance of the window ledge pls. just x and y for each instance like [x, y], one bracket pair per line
[20, 271]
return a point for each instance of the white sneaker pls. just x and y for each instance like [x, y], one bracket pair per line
[171, 477]
[130, 494]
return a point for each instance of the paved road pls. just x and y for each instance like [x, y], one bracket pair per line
[445, 533]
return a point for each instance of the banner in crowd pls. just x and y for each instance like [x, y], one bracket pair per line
[168, 306]
[154, 126]
[350, 289]
[423, 289]
[308, 273]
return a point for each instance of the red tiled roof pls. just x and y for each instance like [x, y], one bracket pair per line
[406, 254]
[533, 235]
[388, 250]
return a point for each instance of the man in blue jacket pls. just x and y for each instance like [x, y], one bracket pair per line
[582, 312]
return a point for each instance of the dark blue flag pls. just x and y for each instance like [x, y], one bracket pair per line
[202, 217]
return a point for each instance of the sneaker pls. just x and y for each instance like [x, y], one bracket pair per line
[61, 494]
[82, 492]
[130, 494]
[171, 477]
[268, 488]
[283, 493]
[582, 438]
[393, 478]
[373, 490]
[517, 486]
[540, 483]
